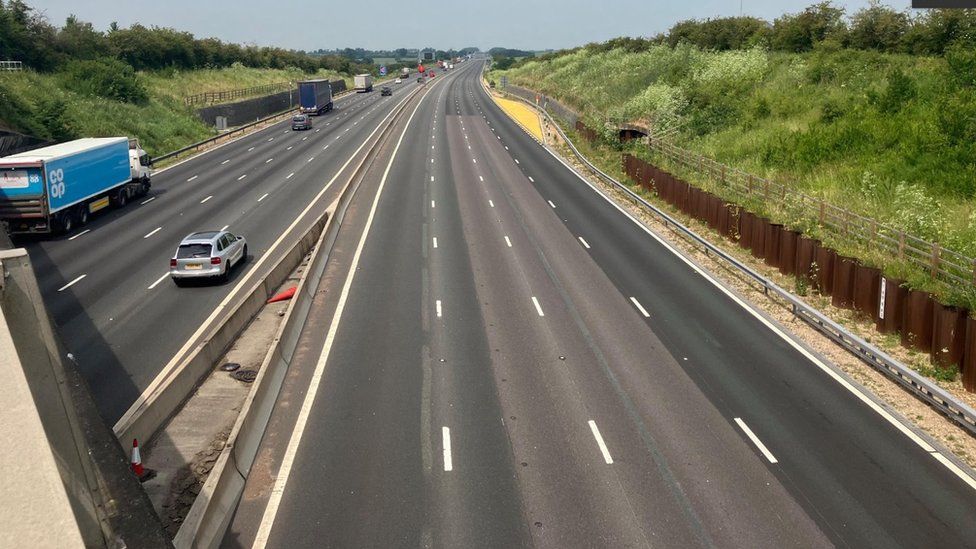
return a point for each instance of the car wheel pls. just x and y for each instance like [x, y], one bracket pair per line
[226, 274]
[244, 254]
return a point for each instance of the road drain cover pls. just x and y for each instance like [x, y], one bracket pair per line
[247, 376]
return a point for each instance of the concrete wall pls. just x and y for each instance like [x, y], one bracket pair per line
[250, 110]
[66, 480]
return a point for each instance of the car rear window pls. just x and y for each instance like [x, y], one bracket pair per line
[300, 118]
[191, 251]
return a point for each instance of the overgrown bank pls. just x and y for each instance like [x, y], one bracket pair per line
[887, 135]
[56, 108]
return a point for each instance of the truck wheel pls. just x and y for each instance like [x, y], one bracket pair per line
[121, 198]
[65, 222]
[83, 214]
[144, 188]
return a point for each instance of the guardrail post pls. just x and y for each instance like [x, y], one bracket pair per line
[935, 260]
[750, 185]
[901, 245]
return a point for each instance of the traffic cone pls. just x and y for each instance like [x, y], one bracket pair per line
[284, 296]
[141, 472]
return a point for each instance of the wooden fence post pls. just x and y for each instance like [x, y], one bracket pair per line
[823, 211]
[750, 185]
[935, 260]
[901, 245]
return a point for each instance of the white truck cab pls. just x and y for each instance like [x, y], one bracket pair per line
[139, 162]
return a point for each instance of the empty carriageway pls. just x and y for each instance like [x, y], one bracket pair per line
[505, 358]
[859, 474]
[121, 318]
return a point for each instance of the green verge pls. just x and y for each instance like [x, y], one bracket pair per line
[890, 136]
[44, 105]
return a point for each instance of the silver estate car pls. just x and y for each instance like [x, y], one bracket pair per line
[209, 254]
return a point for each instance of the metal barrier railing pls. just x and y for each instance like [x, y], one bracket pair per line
[11, 66]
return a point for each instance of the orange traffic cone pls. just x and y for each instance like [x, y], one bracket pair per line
[283, 296]
[141, 472]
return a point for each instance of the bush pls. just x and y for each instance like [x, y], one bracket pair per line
[108, 78]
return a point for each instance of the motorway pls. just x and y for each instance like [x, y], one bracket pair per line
[106, 285]
[498, 356]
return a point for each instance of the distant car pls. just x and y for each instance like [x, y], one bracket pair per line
[208, 254]
[301, 122]
[420, 79]
[397, 81]
[430, 74]
[386, 90]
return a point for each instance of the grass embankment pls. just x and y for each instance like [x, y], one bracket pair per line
[889, 136]
[45, 105]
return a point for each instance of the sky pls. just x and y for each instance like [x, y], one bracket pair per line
[389, 24]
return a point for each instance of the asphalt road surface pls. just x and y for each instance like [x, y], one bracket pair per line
[106, 285]
[500, 357]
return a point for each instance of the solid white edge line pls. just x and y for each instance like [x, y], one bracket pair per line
[640, 307]
[160, 279]
[281, 480]
[152, 232]
[79, 234]
[72, 283]
[446, 436]
[600, 443]
[755, 440]
[538, 307]
[585, 243]
[901, 427]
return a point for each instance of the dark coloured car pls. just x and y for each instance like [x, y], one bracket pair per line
[420, 80]
[301, 122]
[386, 90]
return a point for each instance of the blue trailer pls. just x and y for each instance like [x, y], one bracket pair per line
[315, 96]
[54, 189]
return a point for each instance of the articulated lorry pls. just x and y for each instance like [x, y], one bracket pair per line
[314, 96]
[363, 82]
[57, 188]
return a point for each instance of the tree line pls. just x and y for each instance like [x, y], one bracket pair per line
[27, 36]
[876, 27]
